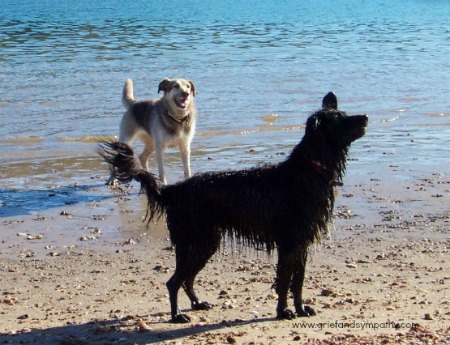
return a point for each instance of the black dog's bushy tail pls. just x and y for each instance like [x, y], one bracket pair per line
[126, 167]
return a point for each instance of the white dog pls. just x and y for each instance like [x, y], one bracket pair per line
[160, 123]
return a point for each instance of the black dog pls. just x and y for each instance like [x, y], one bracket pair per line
[287, 206]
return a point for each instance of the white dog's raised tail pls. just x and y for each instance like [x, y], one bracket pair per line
[127, 95]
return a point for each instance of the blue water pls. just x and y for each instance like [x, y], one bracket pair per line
[260, 68]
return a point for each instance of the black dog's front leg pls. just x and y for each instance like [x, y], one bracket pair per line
[297, 285]
[285, 270]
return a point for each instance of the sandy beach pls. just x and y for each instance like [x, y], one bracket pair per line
[95, 273]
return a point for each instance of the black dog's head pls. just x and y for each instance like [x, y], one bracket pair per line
[334, 127]
[328, 135]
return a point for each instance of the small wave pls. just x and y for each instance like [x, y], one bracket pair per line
[89, 139]
[212, 132]
[439, 115]
[22, 140]
[390, 119]
[263, 128]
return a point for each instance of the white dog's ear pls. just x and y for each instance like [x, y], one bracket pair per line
[164, 85]
[193, 88]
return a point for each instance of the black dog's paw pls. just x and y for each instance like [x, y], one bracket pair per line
[286, 314]
[180, 318]
[306, 311]
[202, 305]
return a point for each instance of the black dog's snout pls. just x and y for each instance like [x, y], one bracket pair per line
[364, 119]
[358, 120]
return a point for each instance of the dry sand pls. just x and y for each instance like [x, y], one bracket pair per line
[93, 273]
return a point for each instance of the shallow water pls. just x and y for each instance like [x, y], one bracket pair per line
[260, 68]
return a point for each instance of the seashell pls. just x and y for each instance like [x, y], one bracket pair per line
[143, 327]
[428, 316]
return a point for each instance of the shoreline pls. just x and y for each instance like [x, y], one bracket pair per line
[97, 275]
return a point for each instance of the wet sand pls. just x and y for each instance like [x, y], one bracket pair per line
[92, 272]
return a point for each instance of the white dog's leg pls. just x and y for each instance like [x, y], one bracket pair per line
[186, 156]
[143, 158]
[148, 150]
[159, 158]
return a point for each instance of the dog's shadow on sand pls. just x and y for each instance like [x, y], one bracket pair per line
[21, 202]
[114, 331]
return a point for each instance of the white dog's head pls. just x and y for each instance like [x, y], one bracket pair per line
[180, 92]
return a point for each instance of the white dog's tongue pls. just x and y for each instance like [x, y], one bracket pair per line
[182, 102]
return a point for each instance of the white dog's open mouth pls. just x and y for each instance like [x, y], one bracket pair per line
[182, 101]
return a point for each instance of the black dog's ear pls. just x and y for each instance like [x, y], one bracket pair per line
[330, 101]
[164, 85]
[311, 124]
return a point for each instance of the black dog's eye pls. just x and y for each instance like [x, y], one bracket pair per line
[176, 86]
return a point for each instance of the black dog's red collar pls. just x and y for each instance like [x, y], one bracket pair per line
[317, 166]
[321, 169]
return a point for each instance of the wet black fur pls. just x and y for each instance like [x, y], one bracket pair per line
[286, 206]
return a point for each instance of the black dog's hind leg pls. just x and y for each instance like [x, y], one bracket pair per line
[297, 284]
[189, 282]
[196, 304]
[285, 269]
[173, 285]
[188, 265]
